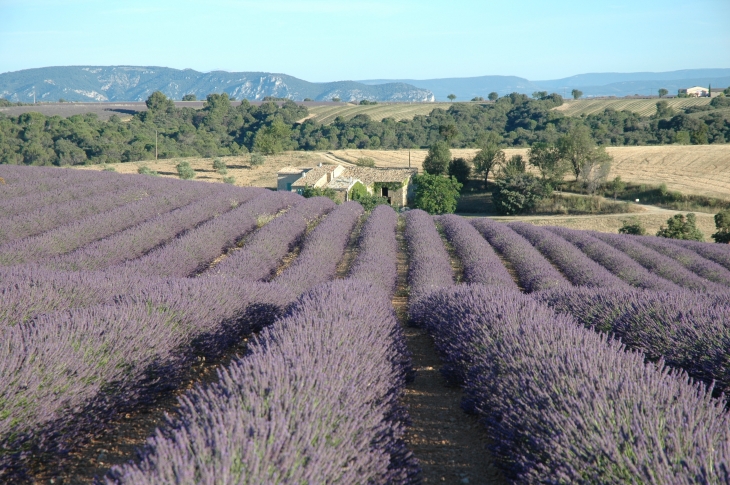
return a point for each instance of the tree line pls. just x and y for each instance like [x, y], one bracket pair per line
[220, 129]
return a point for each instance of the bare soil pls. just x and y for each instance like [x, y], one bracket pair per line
[450, 445]
[120, 442]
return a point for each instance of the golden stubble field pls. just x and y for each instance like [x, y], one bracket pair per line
[239, 167]
[690, 169]
[702, 170]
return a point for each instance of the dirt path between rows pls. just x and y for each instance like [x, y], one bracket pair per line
[450, 445]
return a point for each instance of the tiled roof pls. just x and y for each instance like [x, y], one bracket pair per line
[313, 175]
[369, 176]
[342, 183]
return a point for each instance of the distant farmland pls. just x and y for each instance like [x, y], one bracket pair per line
[327, 112]
[643, 107]
[399, 111]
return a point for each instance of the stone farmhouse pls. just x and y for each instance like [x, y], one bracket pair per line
[392, 183]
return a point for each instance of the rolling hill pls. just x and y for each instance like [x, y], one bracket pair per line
[592, 84]
[135, 83]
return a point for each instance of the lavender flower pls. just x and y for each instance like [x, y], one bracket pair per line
[533, 270]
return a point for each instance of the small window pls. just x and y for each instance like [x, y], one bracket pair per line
[384, 192]
[288, 187]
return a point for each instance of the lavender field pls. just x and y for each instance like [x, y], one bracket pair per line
[243, 336]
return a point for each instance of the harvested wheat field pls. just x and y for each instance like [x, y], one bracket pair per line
[239, 167]
[690, 169]
[652, 218]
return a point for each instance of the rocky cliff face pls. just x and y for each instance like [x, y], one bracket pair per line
[131, 83]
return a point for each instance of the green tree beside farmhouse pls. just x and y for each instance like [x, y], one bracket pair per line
[460, 169]
[663, 92]
[722, 223]
[438, 158]
[436, 194]
[575, 147]
[517, 193]
[487, 160]
[546, 158]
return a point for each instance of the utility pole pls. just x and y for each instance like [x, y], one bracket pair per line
[155, 144]
[409, 159]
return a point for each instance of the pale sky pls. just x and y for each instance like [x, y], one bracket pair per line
[325, 40]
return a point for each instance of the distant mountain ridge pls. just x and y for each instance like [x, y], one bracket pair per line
[592, 84]
[135, 83]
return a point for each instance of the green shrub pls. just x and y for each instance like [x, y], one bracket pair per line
[320, 192]
[185, 171]
[461, 169]
[229, 180]
[720, 102]
[632, 226]
[370, 202]
[436, 194]
[722, 223]
[219, 166]
[358, 190]
[145, 170]
[109, 168]
[365, 162]
[256, 159]
[438, 158]
[679, 227]
[518, 193]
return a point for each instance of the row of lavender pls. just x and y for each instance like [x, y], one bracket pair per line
[688, 330]
[68, 394]
[73, 368]
[529, 371]
[119, 366]
[340, 347]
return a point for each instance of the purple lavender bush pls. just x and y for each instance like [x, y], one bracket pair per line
[703, 267]
[429, 267]
[572, 262]
[322, 250]
[656, 263]
[533, 270]
[296, 409]
[265, 248]
[529, 372]
[136, 241]
[21, 181]
[48, 218]
[690, 331]
[481, 264]
[376, 260]
[66, 374]
[88, 190]
[194, 251]
[614, 260]
[719, 253]
[89, 229]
